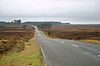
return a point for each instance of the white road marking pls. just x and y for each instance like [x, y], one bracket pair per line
[98, 55]
[56, 40]
[75, 45]
[62, 41]
[39, 34]
[43, 53]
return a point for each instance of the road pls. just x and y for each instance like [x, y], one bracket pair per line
[59, 52]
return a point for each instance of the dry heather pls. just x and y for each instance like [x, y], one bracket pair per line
[12, 37]
[74, 32]
[30, 56]
[22, 47]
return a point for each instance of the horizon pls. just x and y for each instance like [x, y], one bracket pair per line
[74, 11]
[62, 20]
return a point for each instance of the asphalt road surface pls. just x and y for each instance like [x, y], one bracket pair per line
[59, 52]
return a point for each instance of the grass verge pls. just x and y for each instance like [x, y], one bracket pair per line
[28, 57]
[91, 41]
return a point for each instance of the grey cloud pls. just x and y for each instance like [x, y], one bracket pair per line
[75, 9]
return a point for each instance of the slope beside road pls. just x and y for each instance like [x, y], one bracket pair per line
[58, 52]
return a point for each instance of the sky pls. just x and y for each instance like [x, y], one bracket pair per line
[74, 11]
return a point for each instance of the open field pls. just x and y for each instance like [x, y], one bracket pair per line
[74, 32]
[15, 28]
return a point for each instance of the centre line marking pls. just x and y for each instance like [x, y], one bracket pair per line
[98, 55]
[56, 40]
[62, 41]
[75, 45]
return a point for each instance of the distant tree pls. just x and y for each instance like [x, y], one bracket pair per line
[15, 21]
[11, 22]
[44, 25]
[19, 21]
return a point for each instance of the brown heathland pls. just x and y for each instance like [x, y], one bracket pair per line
[18, 46]
[30, 56]
[74, 32]
[14, 36]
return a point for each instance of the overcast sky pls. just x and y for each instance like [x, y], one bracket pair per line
[81, 10]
